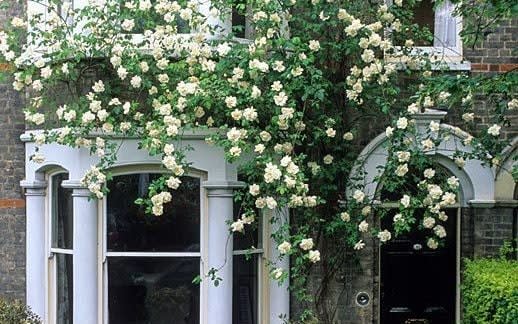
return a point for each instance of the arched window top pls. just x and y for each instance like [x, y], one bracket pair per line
[476, 180]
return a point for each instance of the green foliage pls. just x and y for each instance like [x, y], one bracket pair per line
[490, 291]
[15, 312]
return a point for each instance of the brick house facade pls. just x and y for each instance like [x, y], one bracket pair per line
[483, 228]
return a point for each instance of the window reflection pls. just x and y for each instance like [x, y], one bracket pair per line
[153, 290]
[129, 228]
[62, 213]
[64, 288]
[245, 289]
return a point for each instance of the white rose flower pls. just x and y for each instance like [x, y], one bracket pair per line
[384, 236]
[330, 132]
[136, 81]
[328, 159]
[439, 231]
[284, 247]
[427, 144]
[403, 156]
[429, 173]
[277, 273]
[122, 72]
[402, 123]
[363, 226]
[314, 45]
[468, 117]
[259, 148]
[128, 24]
[173, 182]
[513, 104]
[254, 189]
[271, 173]
[401, 170]
[389, 131]
[348, 136]
[345, 216]
[306, 244]
[271, 203]
[428, 222]
[453, 182]
[359, 245]
[314, 256]
[359, 196]
[432, 244]
[460, 162]
[434, 126]
[235, 151]
[231, 101]
[98, 86]
[494, 130]
[238, 226]
[405, 201]
[397, 218]
[280, 99]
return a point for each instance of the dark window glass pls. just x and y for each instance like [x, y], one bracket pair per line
[424, 16]
[64, 288]
[153, 290]
[239, 19]
[251, 236]
[129, 228]
[62, 213]
[245, 289]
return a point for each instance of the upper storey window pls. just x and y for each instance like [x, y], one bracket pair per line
[442, 23]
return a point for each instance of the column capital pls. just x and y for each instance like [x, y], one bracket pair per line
[34, 188]
[79, 190]
[222, 188]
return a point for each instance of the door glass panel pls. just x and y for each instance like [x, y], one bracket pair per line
[129, 228]
[245, 289]
[64, 288]
[153, 290]
[62, 213]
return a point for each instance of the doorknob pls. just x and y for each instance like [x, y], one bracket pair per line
[417, 247]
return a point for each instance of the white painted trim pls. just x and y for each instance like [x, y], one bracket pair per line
[153, 254]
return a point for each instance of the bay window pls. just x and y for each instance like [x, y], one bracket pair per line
[107, 261]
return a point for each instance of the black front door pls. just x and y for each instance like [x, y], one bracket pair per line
[418, 283]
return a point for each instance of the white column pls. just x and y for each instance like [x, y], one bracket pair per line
[279, 294]
[35, 246]
[220, 207]
[85, 304]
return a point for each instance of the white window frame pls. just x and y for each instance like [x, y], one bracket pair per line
[450, 54]
[50, 315]
[103, 316]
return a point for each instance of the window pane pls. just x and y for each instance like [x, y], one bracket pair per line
[251, 235]
[62, 213]
[129, 228]
[245, 289]
[153, 290]
[424, 17]
[64, 287]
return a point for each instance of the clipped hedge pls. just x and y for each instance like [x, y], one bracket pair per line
[490, 291]
[15, 312]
